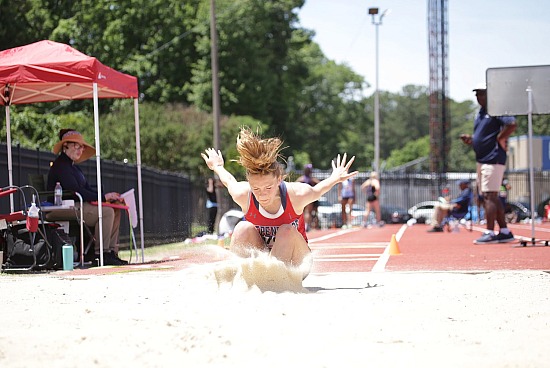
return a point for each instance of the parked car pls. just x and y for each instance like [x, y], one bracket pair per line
[330, 215]
[423, 211]
[390, 214]
[394, 214]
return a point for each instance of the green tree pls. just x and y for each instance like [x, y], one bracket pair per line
[172, 136]
[253, 44]
[329, 110]
[272, 75]
[152, 39]
[410, 152]
[403, 117]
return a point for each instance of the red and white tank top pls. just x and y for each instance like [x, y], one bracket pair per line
[267, 224]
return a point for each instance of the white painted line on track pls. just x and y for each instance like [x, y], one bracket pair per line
[348, 257]
[358, 255]
[332, 235]
[344, 259]
[380, 265]
[528, 227]
[350, 246]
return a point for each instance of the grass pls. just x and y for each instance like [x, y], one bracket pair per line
[163, 251]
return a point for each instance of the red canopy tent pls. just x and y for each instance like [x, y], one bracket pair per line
[48, 71]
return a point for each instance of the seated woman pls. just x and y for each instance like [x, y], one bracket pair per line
[72, 149]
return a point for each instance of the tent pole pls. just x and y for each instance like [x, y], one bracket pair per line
[8, 149]
[98, 167]
[531, 171]
[138, 165]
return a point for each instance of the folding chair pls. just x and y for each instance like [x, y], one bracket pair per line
[25, 245]
[78, 229]
[459, 218]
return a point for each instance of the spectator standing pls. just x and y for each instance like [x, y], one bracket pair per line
[346, 196]
[310, 211]
[503, 192]
[211, 203]
[490, 143]
[371, 186]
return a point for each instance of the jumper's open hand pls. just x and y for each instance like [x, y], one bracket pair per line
[340, 168]
[212, 158]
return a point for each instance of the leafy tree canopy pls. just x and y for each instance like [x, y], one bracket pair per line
[271, 72]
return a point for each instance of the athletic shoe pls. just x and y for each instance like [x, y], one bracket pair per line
[122, 262]
[436, 229]
[487, 238]
[109, 259]
[505, 238]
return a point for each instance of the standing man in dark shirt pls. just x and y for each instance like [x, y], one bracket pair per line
[73, 149]
[490, 142]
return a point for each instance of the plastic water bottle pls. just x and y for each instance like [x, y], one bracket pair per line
[455, 226]
[67, 252]
[32, 218]
[58, 194]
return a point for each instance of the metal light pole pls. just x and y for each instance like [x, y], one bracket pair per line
[215, 80]
[373, 12]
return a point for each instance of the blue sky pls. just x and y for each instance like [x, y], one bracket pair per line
[482, 34]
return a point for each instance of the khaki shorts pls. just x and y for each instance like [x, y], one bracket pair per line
[489, 177]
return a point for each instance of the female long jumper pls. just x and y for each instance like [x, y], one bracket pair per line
[273, 208]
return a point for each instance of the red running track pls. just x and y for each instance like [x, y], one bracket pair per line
[359, 250]
[362, 250]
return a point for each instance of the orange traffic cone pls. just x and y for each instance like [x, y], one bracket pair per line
[394, 247]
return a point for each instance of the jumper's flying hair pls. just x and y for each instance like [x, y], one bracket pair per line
[258, 155]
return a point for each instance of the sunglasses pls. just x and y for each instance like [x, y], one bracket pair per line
[77, 146]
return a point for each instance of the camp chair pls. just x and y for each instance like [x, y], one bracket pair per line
[23, 245]
[459, 218]
[78, 229]
[13, 216]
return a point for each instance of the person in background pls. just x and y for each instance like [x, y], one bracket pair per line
[346, 196]
[310, 211]
[509, 213]
[490, 143]
[73, 149]
[503, 192]
[458, 206]
[371, 186]
[211, 203]
[273, 208]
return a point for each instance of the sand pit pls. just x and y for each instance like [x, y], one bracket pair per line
[220, 315]
[260, 271]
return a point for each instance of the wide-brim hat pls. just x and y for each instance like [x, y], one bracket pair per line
[73, 136]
